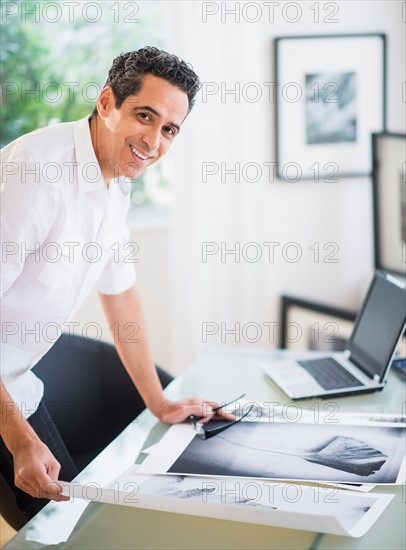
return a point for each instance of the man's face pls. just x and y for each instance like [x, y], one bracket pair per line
[138, 133]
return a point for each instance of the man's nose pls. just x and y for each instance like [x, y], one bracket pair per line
[152, 138]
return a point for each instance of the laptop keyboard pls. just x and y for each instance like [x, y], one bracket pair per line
[330, 374]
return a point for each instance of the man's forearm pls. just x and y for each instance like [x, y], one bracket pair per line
[14, 429]
[35, 467]
[125, 317]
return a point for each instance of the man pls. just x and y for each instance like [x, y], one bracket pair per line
[64, 198]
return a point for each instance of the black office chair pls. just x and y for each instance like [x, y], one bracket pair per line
[8, 507]
[86, 386]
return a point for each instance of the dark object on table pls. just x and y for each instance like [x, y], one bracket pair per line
[399, 366]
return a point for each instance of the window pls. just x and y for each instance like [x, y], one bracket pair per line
[54, 61]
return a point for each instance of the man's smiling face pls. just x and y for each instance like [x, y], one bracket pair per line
[129, 139]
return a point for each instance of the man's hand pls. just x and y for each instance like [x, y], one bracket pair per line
[36, 471]
[172, 412]
[35, 468]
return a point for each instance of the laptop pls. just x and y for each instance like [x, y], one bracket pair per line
[364, 365]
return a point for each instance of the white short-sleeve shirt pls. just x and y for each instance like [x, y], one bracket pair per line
[62, 232]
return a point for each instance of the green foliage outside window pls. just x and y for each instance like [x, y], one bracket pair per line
[53, 71]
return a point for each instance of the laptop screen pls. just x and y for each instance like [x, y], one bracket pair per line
[379, 325]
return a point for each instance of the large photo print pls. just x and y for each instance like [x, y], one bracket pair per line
[330, 453]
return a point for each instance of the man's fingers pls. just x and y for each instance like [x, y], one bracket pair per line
[31, 481]
[211, 412]
[60, 498]
[53, 470]
[26, 487]
[206, 410]
[52, 489]
[179, 411]
[53, 492]
[203, 410]
[40, 485]
[225, 415]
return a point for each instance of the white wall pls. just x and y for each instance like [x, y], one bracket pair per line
[180, 292]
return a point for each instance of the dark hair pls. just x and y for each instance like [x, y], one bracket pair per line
[128, 70]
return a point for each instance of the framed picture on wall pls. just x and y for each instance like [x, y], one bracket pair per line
[308, 325]
[330, 96]
[389, 201]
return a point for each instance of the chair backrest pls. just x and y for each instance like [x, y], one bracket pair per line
[8, 507]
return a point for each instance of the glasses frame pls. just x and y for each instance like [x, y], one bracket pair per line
[203, 433]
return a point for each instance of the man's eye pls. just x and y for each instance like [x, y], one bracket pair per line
[169, 130]
[145, 116]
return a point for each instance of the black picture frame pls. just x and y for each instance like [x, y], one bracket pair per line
[389, 201]
[336, 328]
[319, 143]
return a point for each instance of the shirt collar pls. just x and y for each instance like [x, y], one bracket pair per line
[89, 171]
[124, 185]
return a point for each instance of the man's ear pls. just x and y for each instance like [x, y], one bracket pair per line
[106, 102]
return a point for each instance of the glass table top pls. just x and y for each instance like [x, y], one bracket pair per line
[219, 376]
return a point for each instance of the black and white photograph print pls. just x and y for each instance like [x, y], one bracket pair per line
[330, 98]
[296, 451]
[347, 508]
[210, 491]
[331, 108]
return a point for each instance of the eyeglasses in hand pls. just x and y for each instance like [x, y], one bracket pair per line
[204, 432]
